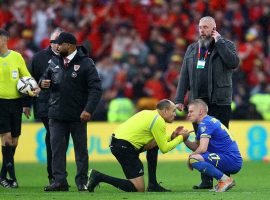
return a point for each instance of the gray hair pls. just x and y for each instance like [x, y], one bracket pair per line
[210, 20]
[56, 32]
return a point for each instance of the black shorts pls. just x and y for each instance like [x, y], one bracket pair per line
[128, 157]
[11, 116]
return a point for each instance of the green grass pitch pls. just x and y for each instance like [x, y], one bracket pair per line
[251, 183]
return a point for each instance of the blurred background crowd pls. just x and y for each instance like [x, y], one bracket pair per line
[138, 45]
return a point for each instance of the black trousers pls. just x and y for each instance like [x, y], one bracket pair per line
[45, 122]
[59, 130]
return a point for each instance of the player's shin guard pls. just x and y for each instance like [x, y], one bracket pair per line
[206, 168]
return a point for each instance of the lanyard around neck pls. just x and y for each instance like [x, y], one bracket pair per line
[205, 54]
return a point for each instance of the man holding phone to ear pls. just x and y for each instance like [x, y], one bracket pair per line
[206, 74]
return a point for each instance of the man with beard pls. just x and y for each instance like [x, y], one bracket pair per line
[40, 62]
[75, 93]
[207, 74]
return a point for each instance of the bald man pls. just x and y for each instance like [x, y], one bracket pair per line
[206, 74]
[39, 64]
[143, 131]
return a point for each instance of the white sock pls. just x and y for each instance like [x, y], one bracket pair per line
[224, 177]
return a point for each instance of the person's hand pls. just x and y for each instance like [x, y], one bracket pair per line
[215, 35]
[185, 133]
[180, 106]
[34, 92]
[176, 132]
[85, 116]
[150, 145]
[27, 112]
[45, 84]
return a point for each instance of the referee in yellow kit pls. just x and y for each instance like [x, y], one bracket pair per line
[143, 131]
[12, 67]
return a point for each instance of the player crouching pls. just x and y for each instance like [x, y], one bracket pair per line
[215, 153]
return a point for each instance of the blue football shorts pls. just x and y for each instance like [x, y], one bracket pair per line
[228, 163]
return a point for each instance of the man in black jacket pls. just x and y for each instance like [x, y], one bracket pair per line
[207, 74]
[75, 93]
[39, 64]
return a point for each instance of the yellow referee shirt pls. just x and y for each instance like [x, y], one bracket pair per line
[145, 126]
[12, 67]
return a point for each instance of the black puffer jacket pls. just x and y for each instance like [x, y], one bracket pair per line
[74, 89]
[39, 64]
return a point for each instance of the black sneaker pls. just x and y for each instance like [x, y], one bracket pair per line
[13, 183]
[4, 183]
[92, 181]
[206, 183]
[51, 181]
[82, 188]
[203, 185]
[55, 187]
[156, 188]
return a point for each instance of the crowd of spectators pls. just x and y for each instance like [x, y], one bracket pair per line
[138, 45]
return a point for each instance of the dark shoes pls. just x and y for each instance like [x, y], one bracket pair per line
[92, 181]
[13, 183]
[207, 182]
[203, 185]
[4, 183]
[51, 181]
[8, 183]
[156, 188]
[56, 187]
[82, 188]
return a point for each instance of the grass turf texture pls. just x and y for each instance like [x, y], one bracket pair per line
[251, 183]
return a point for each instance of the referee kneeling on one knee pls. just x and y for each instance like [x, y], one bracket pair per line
[143, 131]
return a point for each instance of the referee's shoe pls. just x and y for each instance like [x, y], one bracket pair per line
[4, 182]
[156, 188]
[92, 181]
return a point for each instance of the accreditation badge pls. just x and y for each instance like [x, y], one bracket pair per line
[200, 64]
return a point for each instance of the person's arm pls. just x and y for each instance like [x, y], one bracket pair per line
[94, 87]
[192, 145]
[227, 51]
[183, 83]
[45, 80]
[32, 66]
[159, 132]
[202, 148]
[23, 71]
[205, 132]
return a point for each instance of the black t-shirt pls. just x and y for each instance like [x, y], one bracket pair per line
[202, 73]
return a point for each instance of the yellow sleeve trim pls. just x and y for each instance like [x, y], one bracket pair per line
[205, 136]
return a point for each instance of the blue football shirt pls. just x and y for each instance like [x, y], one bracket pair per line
[220, 139]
